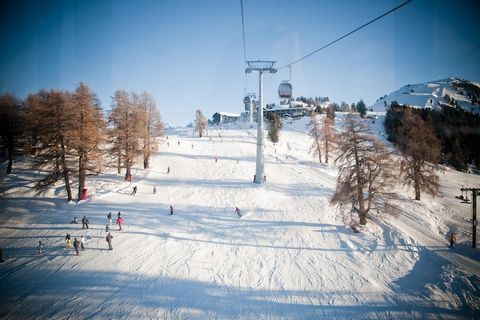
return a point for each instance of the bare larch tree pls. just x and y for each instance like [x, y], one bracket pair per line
[366, 171]
[421, 151]
[88, 133]
[200, 122]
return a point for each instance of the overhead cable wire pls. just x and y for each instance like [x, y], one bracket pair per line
[346, 35]
[243, 33]
[244, 47]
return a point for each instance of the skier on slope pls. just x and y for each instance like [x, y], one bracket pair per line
[119, 222]
[154, 189]
[171, 210]
[76, 243]
[134, 190]
[68, 241]
[453, 238]
[237, 211]
[109, 217]
[85, 222]
[109, 240]
[40, 247]
[82, 242]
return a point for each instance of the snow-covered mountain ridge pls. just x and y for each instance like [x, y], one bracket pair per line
[451, 91]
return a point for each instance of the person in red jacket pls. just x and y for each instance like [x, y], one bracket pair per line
[119, 222]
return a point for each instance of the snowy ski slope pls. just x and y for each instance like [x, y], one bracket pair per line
[289, 256]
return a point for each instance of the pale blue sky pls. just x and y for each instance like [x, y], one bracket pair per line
[189, 54]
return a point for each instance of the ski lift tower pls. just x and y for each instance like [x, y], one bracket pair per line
[260, 67]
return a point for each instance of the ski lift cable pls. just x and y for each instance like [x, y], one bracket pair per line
[243, 33]
[244, 47]
[346, 35]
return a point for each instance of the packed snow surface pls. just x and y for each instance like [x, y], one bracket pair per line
[291, 255]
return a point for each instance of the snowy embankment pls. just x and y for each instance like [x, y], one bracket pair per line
[289, 256]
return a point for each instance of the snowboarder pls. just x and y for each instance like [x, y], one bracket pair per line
[154, 189]
[82, 242]
[68, 241]
[75, 245]
[171, 210]
[107, 228]
[453, 238]
[109, 217]
[84, 222]
[74, 220]
[119, 222]
[109, 240]
[40, 247]
[237, 211]
[134, 190]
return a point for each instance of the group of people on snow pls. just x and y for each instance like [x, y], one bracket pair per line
[77, 244]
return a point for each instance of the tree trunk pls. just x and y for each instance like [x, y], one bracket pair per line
[146, 162]
[81, 177]
[319, 151]
[416, 183]
[361, 201]
[326, 151]
[66, 175]
[417, 191]
[119, 162]
[363, 218]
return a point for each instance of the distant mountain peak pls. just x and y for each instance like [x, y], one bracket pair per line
[454, 92]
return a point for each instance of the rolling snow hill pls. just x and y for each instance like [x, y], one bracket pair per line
[430, 94]
[290, 255]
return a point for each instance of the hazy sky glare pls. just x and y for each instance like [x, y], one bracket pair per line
[189, 54]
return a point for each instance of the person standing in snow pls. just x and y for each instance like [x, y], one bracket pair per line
[75, 245]
[119, 222]
[109, 217]
[154, 189]
[84, 222]
[134, 190]
[109, 240]
[68, 241]
[40, 247]
[82, 242]
[171, 210]
[453, 238]
[237, 211]
[168, 169]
